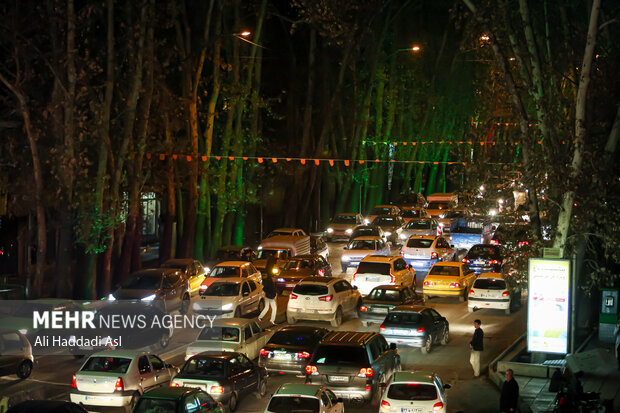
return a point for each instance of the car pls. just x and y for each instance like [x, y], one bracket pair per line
[46, 406]
[490, 290]
[15, 353]
[341, 226]
[415, 391]
[298, 268]
[166, 288]
[231, 269]
[412, 199]
[231, 297]
[409, 212]
[449, 217]
[290, 348]
[177, 400]
[367, 231]
[298, 232]
[437, 208]
[376, 270]
[226, 376]
[192, 269]
[420, 226]
[423, 251]
[382, 299]
[513, 236]
[359, 248]
[322, 299]
[117, 378]
[486, 258]
[415, 326]
[319, 246]
[381, 210]
[448, 279]
[310, 398]
[392, 226]
[353, 364]
[231, 253]
[230, 334]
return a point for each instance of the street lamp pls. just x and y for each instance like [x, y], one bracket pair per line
[414, 48]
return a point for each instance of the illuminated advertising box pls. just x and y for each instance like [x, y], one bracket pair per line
[548, 305]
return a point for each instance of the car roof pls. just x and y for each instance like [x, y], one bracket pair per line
[368, 238]
[380, 258]
[301, 329]
[433, 237]
[298, 389]
[449, 264]
[303, 257]
[231, 264]
[166, 392]
[409, 308]
[287, 229]
[385, 206]
[120, 353]
[387, 216]
[231, 322]
[319, 280]
[232, 247]
[347, 337]
[414, 376]
[491, 275]
[369, 226]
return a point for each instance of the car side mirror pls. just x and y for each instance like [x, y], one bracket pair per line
[447, 386]
[409, 266]
[392, 346]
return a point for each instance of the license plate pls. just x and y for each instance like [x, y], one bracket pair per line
[339, 379]
[372, 279]
[379, 310]
[479, 262]
[411, 410]
[282, 356]
[290, 285]
[483, 295]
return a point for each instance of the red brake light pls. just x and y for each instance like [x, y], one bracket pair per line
[74, 382]
[434, 256]
[216, 389]
[172, 384]
[402, 254]
[505, 294]
[437, 406]
[265, 352]
[366, 372]
[326, 298]
[363, 308]
[494, 262]
[302, 355]
[353, 279]
[472, 292]
[465, 261]
[522, 243]
[392, 276]
[386, 405]
[381, 327]
[292, 296]
[450, 238]
[312, 370]
[428, 283]
[494, 242]
[455, 285]
[421, 329]
[119, 386]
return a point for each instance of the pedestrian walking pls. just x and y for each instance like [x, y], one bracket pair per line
[617, 334]
[509, 397]
[271, 263]
[270, 297]
[476, 347]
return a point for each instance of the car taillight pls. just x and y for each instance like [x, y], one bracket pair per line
[428, 283]
[173, 384]
[494, 242]
[472, 292]
[455, 285]
[493, 262]
[216, 389]
[302, 355]
[386, 405]
[74, 382]
[313, 370]
[366, 372]
[292, 296]
[381, 327]
[434, 256]
[505, 294]
[321, 273]
[265, 352]
[402, 253]
[437, 406]
[421, 329]
[450, 238]
[465, 261]
[326, 298]
[119, 386]
[392, 277]
[353, 279]
[523, 243]
[363, 308]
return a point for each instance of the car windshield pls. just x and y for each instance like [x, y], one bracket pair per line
[385, 221]
[437, 205]
[209, 367]
[344, 219]
[362, 244]
[409, 317]
[412, 391]
[409, 213]
[264, 253]
[310, 289]
[483, 251]
[490, 284]
[381, 294]
[294, 338]
[419, 243]
[222, 290]
[297, 265]
[224, 271]
[444, 270]
[419, 224]
[380, 211]
[367, 267]
[360, 232]
[293, 404]
[107, 364]
[146, 405]
[220, 334]
[143, 282]
[331, 355]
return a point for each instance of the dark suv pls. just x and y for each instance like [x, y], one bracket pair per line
[353, 364]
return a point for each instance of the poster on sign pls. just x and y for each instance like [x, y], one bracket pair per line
[548, 305]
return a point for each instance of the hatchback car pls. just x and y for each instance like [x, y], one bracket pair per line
[15, 354]
[319, 246]
[231, 297]
[448, 279]
[342, 225]
[408, 213]
[392, 226]
[376, 270]
[420, 226]
[415, 391]
[290, 348]
[423, 251]
[118, 378]
[381, 210]
[353, 364]
[359, 248]
[490, 290]
[367, 231]
[323, 299]
[309, 398]
[192, 269]
[177, 400]
[382, 299]
[226, 376]
[415, 326]
[300, 267]
[231, 269]
[486, 258]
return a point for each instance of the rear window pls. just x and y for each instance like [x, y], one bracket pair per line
[209, 367]
[155, 405]
[366, 267]
[404, 318]
[419, 224]
[482, 250]
[310, 289]
[470, 227]
[294, 338]
[107, 364]
[412, 391]
[419, 243]
[346, 355]
[290, 404]
[490, 284]
[437, 205]
[380, 211]
[444, 270]
[220, 334]
[366, 231]
[385, 295]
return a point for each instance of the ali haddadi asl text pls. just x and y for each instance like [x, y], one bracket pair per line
[72, 341]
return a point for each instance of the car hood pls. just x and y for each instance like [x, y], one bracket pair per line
[342, 227]
[390, 228]
[126, 294]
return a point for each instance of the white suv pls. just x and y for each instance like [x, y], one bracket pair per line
[323, 299]
[490, 290]
[376, 270]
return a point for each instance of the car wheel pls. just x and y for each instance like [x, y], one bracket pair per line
[261, 306]
[237, 312]
[24, 369]
[232, 402]
[427, 345]
[337, 318]
[184, 304]
[261, 389]
[446, 337]
[164, 340]
[357, 312]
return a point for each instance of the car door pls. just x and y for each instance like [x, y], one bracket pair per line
[173, 287]
[11, 353]
[199, 277]
[160, 372]
[440, 323]
[468, 275]
[147, 376]
[326, 267]
[238, 375]
[250, 342]
[250, 372]
[336, 406]
[326, 404]
[254, 296]
[245, 298]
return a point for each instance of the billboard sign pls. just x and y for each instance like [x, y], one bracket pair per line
[548, 305]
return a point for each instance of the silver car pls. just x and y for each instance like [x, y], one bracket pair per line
[231, 297]
[15, 353]
[361, 247]
[420, 226]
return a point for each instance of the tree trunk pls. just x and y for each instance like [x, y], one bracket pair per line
[166, 250]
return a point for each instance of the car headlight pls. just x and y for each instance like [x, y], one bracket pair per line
[275, 270]
[111, 297]
[442, 216]
[366, 221]
[349, 231]
[330, 230]
[388, 233]
[403, 236]
[207, 270]
[228, 306]
[345, 258]
[149, 298]
[24, 331]
[280, 280]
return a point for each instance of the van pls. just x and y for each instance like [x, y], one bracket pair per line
[284, 247]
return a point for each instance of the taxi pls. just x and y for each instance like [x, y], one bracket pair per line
[448, 279]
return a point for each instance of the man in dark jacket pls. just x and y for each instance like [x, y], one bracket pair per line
[270, 297]
[271, 263]
[510, 394]
[476, 347]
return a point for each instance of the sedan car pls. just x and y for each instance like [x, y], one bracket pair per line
[226, 376]
[192, 269]
[381, 210]
[490, 290]
[166, 288]
[231, 269]
[382, 299]
[449, 279]
[367, 231]
[361, 247]
[409, 212]
[290, 348]
[231, 297]
[231, 334]
[418, 391]
[118, 378]
[392, 226]
[177, 400]
[420, 226]
[423, 251]
[310, 398]
[415, 326]
[342, 225]
[448, 218]
[300, 267]
[486, 258]
[15, 354]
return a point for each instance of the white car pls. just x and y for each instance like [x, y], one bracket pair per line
[231, 297]
[231, 269]
[360, 247]
[490, 290]
[117, 378]
[420, 226]
[323, 299]
[291, 397]
[423, 251]
[231, 334]
[419, 391]
[376, 270]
